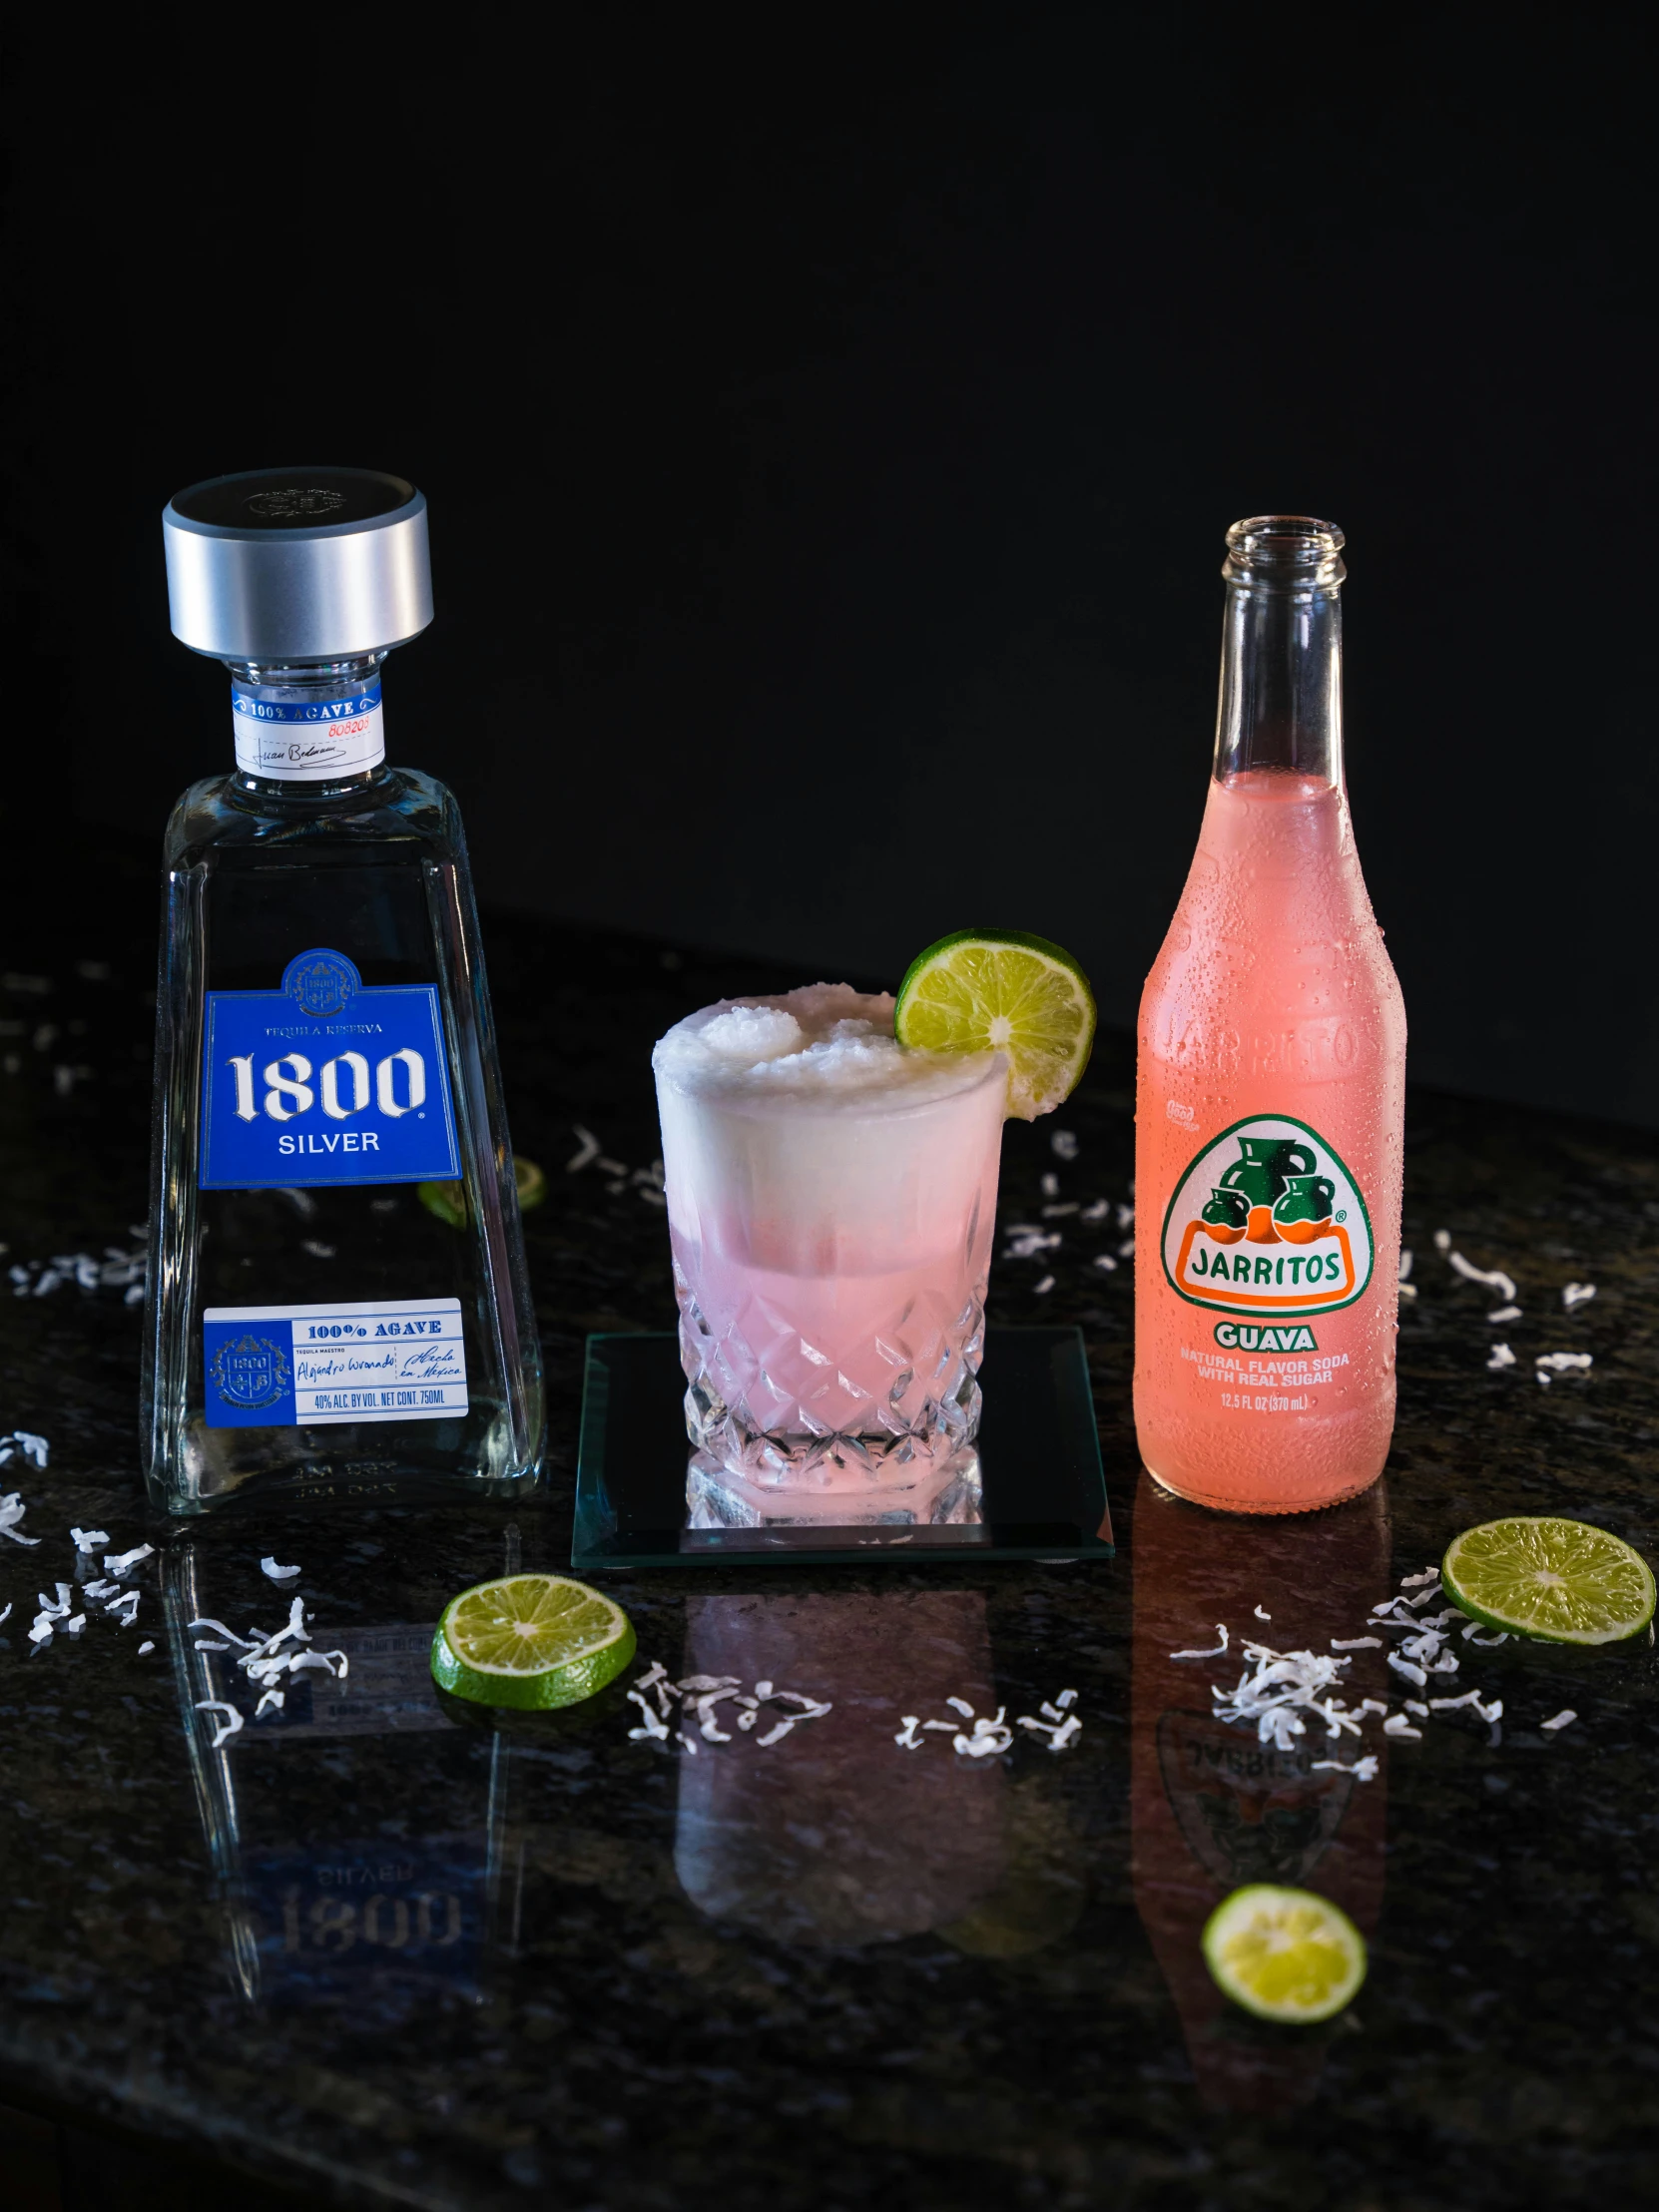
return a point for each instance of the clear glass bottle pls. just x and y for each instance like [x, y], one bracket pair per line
[1270, 1102]
[338, 1303]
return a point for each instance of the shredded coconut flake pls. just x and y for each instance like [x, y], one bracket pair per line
[1060, 1729]
[1494, 1278]
[652, 1728]
[1218, 1652]
[12, 1511]
[228, 1726]
[218, 1628]
[989, 1740]
[268, 1565]
[1563, 1719]
[1284, 1686]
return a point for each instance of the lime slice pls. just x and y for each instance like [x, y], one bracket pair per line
[530, 1640]
[1284, 1955]
[988, 990]
[446, 1200]
[1560, 1582]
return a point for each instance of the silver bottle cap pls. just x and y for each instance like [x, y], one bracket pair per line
[280, 565]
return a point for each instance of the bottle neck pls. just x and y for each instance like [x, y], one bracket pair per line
[310, 731]
[1281, 702]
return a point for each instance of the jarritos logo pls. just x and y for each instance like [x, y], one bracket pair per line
[1268, 1223]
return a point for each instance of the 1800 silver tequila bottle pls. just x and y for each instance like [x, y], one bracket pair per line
[338, 1299]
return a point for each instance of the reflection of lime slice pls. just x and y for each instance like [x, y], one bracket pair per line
[1561, 1581]
[1284, 1955]
[999, 990]
[448, 1200]
[1044, 1884]
[530, 1640]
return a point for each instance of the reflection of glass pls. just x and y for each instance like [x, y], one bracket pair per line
[1211, 1807]
[831, 1200]
[836, 1834]
[335, 1892]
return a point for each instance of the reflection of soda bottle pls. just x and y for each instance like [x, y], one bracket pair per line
[1270, 1117]
[1211, 1808]
[837, 1835]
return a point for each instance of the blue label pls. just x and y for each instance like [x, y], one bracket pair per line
[327, 1080]
[250, 706]
[327, 1916]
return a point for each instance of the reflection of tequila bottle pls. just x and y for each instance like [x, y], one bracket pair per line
[1211, 1807]
[324, 1049]
[326, 1901]
[837, 1835]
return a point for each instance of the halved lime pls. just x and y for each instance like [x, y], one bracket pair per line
[1560, 1582]
[1284, 1955]
[985, 990]
[530, 1640]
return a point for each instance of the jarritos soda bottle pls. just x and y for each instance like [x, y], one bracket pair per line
[1271, 1090]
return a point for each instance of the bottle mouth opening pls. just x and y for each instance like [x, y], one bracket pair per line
[1294, 552]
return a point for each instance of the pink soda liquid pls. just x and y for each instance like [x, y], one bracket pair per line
[1268, 1140]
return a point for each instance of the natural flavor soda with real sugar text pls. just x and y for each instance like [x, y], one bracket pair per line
[1271, 1086]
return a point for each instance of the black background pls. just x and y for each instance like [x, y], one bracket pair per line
[830, 421]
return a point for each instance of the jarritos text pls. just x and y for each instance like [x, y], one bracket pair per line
[1268, 1224]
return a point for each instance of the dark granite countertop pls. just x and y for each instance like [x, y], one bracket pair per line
[391, 1959]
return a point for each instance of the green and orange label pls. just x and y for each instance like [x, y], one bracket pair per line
[1267, 1223]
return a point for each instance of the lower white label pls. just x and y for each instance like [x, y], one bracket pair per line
[290, 1366]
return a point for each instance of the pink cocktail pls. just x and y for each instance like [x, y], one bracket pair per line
[831, 1198]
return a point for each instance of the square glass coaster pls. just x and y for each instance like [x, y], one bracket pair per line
[1043, 1488]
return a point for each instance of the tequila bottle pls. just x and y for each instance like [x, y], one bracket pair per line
[338, 1301]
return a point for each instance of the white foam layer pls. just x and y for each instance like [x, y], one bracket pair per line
[824, 1047]
[800, 1136]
